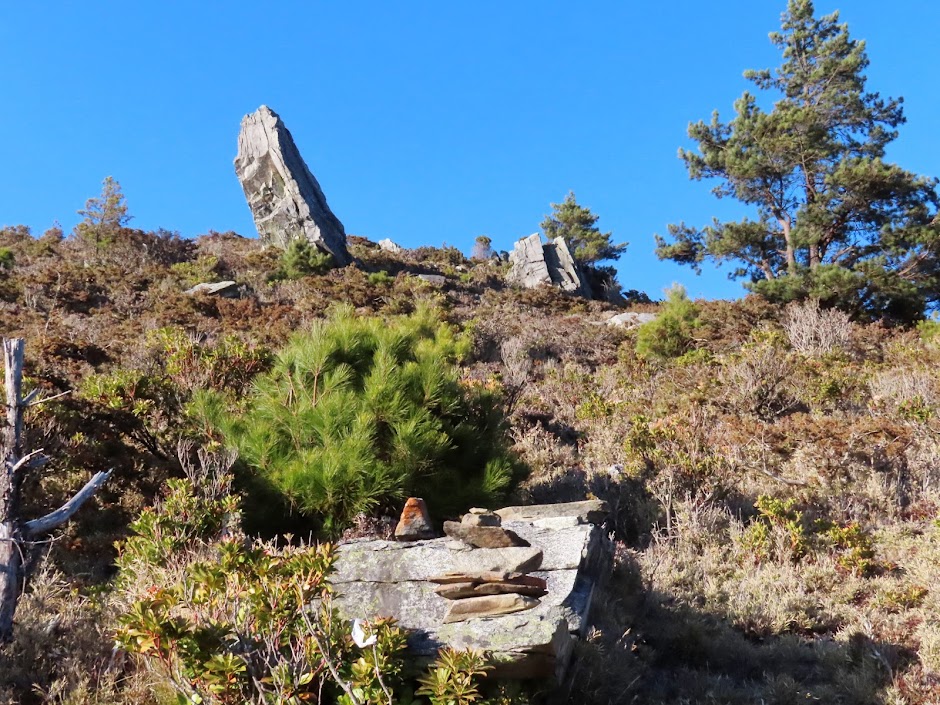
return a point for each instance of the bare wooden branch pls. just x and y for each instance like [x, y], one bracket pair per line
[32, 460]
[43, 525]
[28, 401]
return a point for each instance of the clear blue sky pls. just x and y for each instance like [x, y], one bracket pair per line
[426, 122]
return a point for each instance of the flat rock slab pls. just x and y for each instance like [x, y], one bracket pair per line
[393, 562]
[481, 519]
[630, 319]
[524, 585]
[483, 536]
[589, 511]
[488, 606]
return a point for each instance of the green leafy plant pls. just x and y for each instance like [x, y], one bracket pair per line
[453, 678]
[670, 334]
[193, 362]
[358, 413]
[301, 259]
[227, 620]
[380, 278]
[782, 513]
[857, 549]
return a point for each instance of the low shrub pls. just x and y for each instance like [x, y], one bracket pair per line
[358, 413]
[671, 333]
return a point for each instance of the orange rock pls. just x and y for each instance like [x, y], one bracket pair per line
[415, 522]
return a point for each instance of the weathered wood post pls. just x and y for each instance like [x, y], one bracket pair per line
[10, 555]
[13, 466]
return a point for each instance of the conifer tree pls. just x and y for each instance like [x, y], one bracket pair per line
[105, 215]
[577, 225]
[358, 413]
[835, 222]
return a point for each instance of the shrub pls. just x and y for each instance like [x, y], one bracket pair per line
[7, 259]
[670, 334]
[380, 278]
[813, 330]
[225, 620]
[358, 413]
[300, 259]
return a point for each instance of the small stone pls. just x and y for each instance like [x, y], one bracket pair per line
[488, 606]
[226, 289]
[474, 578]
[435, 279]
[478, 510]
[481, 519]
[509, 588]
[456, 591]
[484, 536]
[459, 591]
[415, 522]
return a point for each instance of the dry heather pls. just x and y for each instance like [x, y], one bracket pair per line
[775, 491]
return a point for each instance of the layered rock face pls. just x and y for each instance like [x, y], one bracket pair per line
[534, 264]
[526, 605]
[285, 199]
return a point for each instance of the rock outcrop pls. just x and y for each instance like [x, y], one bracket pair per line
[542, 592]
[534, 264]
[630, 319]
[389, 246]
[285, 199]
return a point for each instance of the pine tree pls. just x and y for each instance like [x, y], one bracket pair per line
[104, 216]
[359, 413]
[835, 222]
[576, 224]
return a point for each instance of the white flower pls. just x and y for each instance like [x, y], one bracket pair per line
[359, 635]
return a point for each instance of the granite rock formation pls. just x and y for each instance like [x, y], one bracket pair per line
[285, 199]
[534, 263]
[543, 591]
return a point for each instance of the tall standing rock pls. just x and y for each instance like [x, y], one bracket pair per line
[534, 264]
[285, 198]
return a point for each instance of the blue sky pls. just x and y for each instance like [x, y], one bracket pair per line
[425, 122]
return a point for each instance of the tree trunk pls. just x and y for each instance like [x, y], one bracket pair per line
[12, 468]
[11, 563]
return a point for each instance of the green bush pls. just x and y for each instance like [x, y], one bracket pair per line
[380, 277]
[358, 413]
[300, 259]
[226, 621]
[7, 260]
[670, 335]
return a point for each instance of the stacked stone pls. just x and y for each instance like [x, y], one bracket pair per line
[488, 593]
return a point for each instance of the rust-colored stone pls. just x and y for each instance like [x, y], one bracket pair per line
[415, 522]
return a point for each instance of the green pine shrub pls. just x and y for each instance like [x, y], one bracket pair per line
[301, 259]
[670, 335]
[358, 413]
